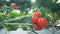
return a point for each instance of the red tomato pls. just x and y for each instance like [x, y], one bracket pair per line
[37, 14]
[42, 22]
[35, 19]
[14, 6]
[36, 27]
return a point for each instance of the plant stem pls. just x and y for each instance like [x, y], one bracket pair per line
[5, 29]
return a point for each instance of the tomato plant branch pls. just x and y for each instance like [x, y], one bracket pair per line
[17, 18]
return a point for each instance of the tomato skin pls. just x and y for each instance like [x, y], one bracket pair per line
[14, 6]
[42, 22]
[37, 14]
[35, 19]
[36, 27]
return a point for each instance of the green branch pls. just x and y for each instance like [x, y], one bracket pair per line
[17, 18]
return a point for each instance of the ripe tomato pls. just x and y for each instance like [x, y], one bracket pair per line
[34, 19]
[42, 22]
[37, 14]
[14, 6]
[36, 27]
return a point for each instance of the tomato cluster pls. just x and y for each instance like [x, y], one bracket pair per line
[38, 23]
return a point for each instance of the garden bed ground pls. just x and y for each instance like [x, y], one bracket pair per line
[19, 31]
